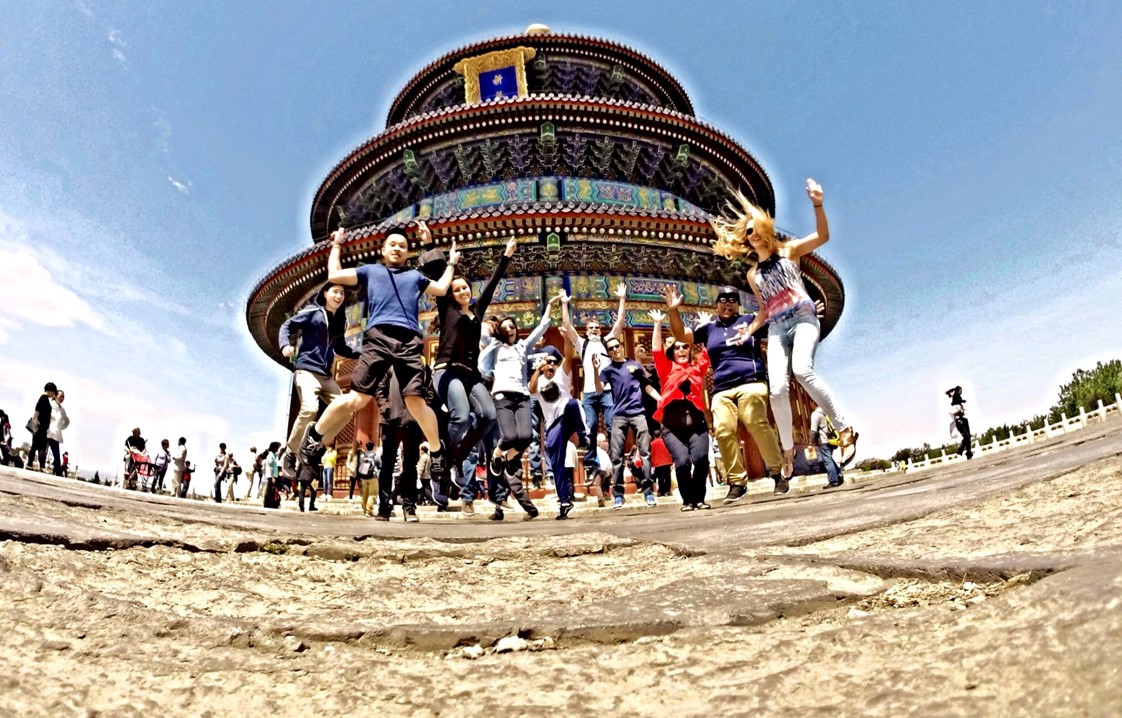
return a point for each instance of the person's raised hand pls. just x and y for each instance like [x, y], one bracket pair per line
[814, 192]
[672, 297]
[621, 290]
[657, 316]
[511, 245]
[453, 254]
[424, 234]
[704, 318]
[337, 237]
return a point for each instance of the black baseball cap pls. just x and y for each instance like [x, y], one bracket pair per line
[728, 291]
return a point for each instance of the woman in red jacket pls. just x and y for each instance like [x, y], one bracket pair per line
[681, 372]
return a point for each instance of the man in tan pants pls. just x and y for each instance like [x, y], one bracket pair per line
[740, 392]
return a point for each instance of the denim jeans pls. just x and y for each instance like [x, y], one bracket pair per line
[328, 480]
[471, 410]
[596, 406]
[618, 439]
[826, 453]
[792, 342]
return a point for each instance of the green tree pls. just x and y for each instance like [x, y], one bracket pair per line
[1087, 388]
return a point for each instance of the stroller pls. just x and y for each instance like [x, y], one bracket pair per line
[140, 471]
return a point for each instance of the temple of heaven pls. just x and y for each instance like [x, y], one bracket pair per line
[585, 149]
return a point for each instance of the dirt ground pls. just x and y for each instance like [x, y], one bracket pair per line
[339, 626]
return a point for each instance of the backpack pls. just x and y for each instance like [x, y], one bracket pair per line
[831, 432]
[259, 462]
[365, 467]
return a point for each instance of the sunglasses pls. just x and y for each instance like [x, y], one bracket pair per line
[727, 300]
[551, 362]
[612, 347]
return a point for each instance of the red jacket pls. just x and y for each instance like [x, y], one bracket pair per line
[671, 375]
[660, 455]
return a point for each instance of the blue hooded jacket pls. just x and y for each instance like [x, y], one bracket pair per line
[321, 335]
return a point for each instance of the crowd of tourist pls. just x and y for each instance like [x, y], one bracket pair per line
[496, 403]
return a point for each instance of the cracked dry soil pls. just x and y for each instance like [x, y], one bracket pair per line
[300, 627]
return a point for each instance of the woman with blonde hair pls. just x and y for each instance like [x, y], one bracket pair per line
[787, 308]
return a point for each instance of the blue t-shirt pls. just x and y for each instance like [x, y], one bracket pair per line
[393, 296]
[627, 379]
[733, 364]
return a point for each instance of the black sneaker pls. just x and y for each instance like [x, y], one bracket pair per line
[312, 508]
[782, 485]
[565, 509]
[736, 493]
[438, 466]
[288, 465]
[410, 514]
[498, 515]
[531, 513]
[381, 517]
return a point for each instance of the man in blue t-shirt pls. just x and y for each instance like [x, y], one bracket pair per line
[629, 380]
[392, 340]
[740, 393]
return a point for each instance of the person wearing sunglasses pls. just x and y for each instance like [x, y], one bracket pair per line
[740, 394]
[786, 307]
[628, 382]
[564, 421]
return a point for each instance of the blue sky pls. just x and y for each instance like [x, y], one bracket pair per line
[157, 158]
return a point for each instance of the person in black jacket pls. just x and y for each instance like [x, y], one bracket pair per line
[961, 423]
[41, 421]
[319, 327]
[459, 385]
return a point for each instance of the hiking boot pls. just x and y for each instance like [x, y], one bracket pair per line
[410, 514]
[564, 514]
[782, 485]
[498, 515]
[617, 502]
[736, 493]
[650, 499]
[467, 508]
[288, 465]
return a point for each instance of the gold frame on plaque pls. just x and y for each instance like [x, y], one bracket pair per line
[471, 67]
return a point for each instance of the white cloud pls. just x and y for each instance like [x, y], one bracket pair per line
[117, 46]
[184, 188]
[30, 294]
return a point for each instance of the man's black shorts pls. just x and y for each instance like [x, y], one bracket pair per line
[386, 346]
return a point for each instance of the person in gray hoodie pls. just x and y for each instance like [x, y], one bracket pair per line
[314, 336]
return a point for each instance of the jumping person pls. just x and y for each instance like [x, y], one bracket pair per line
[786, 307]
[681, 370]
[740, 393]
[512, 408]
[459, 384]
[319, 328]
[561, 414]
[392, 339]
[629, 381]
[597, 404]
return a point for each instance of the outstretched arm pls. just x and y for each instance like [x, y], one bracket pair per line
[543, 324]
[440, 287]
[673, 306]
[488, 292]
[567, 328]
[800, 247]
[335, 272]
[621, 315]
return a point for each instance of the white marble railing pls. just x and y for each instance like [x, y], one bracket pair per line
[1063, 426]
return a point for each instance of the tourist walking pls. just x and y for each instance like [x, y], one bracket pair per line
[959, 423]
[328, 473]
[825, 439]
[366, 473]
[392, 340]
[38, 425]
[59, 421]
[178, 466]
[162, 460]
[221, 471]
[786, 307]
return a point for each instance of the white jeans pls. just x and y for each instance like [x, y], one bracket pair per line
[791, 343]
